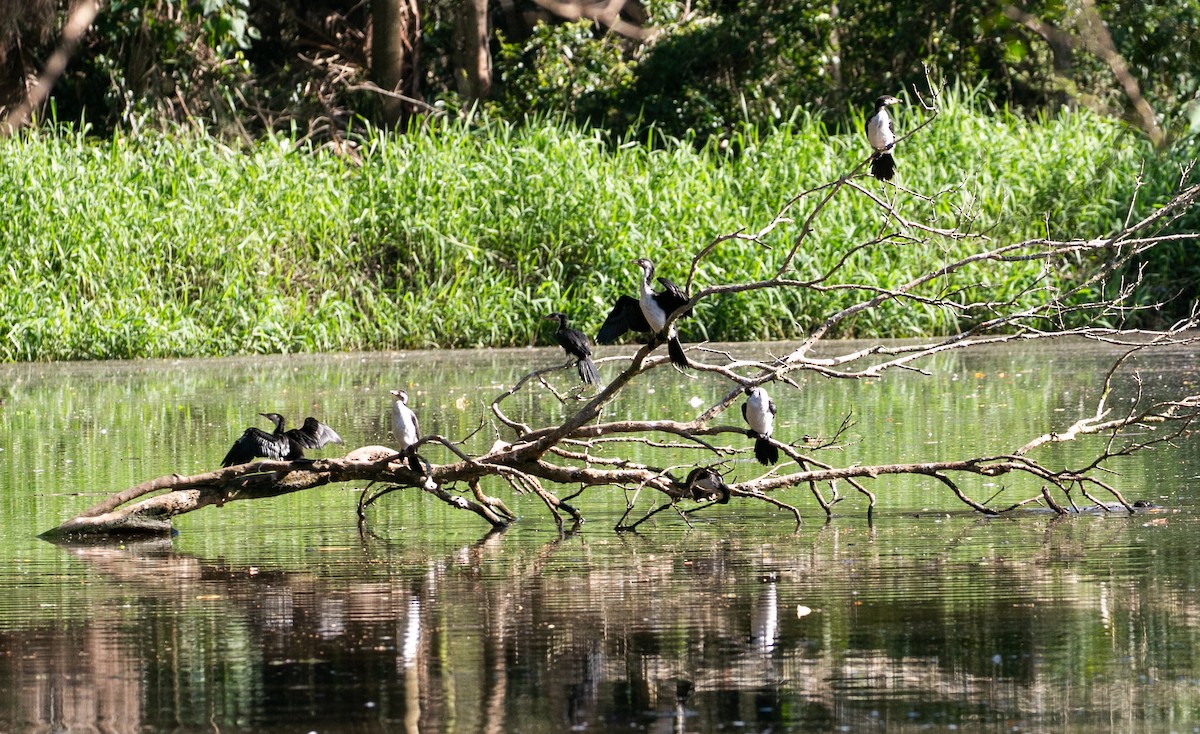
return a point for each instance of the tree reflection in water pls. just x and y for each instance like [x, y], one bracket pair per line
[993, 625]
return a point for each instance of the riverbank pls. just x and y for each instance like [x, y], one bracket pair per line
[456, 237]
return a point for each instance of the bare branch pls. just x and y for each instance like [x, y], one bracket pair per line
[590, 447]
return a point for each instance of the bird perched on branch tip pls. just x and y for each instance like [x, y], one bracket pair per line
[882, 137]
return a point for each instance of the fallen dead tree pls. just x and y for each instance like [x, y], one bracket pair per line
[557, 462]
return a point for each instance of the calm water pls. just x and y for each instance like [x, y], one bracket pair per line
[282, 616]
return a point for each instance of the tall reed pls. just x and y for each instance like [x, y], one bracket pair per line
[461, 237]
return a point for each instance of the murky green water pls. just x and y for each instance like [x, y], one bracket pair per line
[280, 616]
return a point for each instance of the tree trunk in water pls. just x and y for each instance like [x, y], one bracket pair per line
[474, 73]
[395, 29]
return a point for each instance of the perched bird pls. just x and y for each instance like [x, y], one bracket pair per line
[576, 346]
[405, 429]
[759, 412]
[648, 313]
[706, 483]
[882, 138]
[287, 445]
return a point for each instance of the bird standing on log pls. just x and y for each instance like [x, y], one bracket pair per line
[575, 343]
[648, 313]
[882, 138]
[406, 431]
[255, 443]
[759, 412]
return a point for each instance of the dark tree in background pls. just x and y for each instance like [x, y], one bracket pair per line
[23, 24]
[697, 68]
[395, 56]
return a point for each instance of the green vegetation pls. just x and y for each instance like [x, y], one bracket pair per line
[453, 236]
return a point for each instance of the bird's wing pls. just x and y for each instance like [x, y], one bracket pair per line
[771, 406]
[314, 434]
[325, 435]
[744, 416]
[252, 444]
[575, 342]
[626, 315]
[672, 297]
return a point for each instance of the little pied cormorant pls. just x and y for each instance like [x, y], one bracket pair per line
[882, 138]
[406, 431]
[759, 412]
[648, 313]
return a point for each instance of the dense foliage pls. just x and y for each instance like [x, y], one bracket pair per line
[701, 67]
[452, 236]
[223, 140]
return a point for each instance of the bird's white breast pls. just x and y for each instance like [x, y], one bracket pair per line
[404, 425]
[758, 413]
[655, 316]
[879, 131]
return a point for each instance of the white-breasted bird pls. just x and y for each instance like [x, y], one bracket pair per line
[759, 412]
[406, 430]
[648, 312]
[882, 137]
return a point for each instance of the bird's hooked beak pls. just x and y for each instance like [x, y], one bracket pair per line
[399, 395]
[890, 100]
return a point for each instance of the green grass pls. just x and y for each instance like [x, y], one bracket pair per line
[457, 237]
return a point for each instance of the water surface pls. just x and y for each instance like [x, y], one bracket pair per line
[283, 615]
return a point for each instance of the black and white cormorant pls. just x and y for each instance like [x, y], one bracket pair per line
[648, 313]
[576, 346]
[706, 483]
[882, 138]
[759, 412]
[255, 443]
[406, 430]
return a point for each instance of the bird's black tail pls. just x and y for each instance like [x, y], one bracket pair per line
[883, 166]
[414, 463]
[587, 371]
[766, 452]
[675, 350]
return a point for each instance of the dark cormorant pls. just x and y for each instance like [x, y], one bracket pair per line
[576, 346]
[882, 138]
[759, 412]
[648, 313]
[706, 483]
[287, 445]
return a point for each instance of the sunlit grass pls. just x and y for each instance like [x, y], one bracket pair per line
[457, 237]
